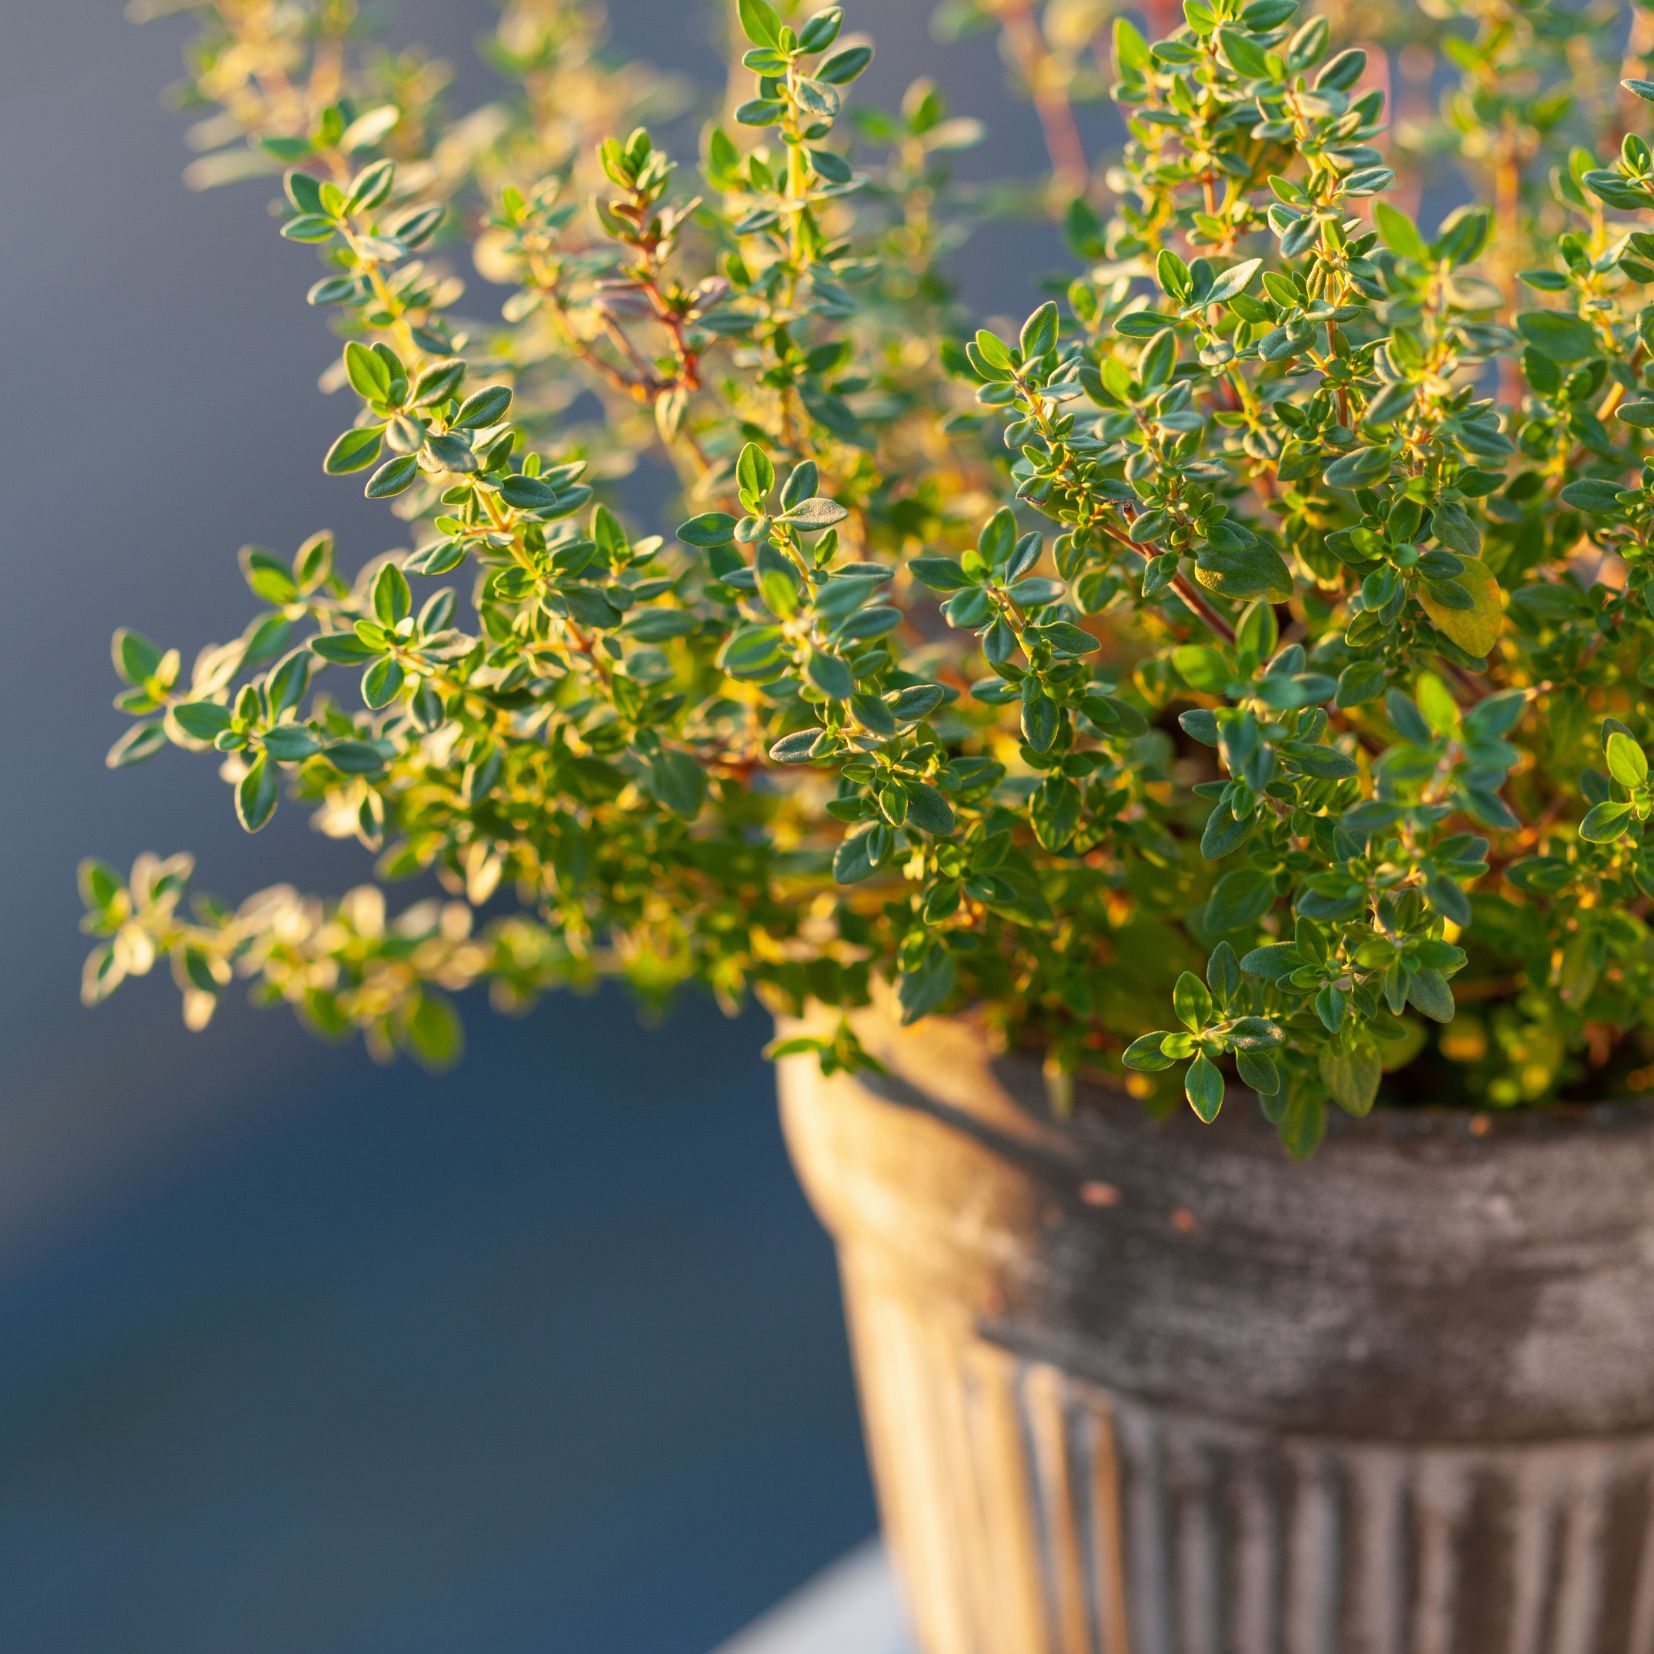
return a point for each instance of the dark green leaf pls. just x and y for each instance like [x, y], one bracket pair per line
[482, 408]
[1358, 469]
[1145, 1054]
[356, 450]
[395, 476]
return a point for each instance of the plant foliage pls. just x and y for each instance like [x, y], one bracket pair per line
[1228, 672]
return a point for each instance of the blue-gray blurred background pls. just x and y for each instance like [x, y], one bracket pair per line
[297, 1352]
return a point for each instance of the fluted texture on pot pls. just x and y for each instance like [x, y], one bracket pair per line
[1084, 1448]
[1032, 1512]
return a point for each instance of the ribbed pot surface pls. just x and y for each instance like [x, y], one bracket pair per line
[1143, 1389]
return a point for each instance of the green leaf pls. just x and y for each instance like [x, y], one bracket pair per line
[1172, 274]
[830, 675]
[1131, 50]
[1427, 991]
[290, 743]
[659, 625]
[1240, 898]
[821, 30]
[136, 658]
[1627, 762]
[356, 450]
[815, 514]
[1593, 494]
[843, 67]
[1064, 638]
[797, 748]
[941, 574]
[310, 227]
[1040, 717]
[99, 884]
[434, 1032]
[1055, 811]
[1146, 1056]
[1192, 1001]
[711, 528]
[998, 539]
[140, 742]
[1352, 1076]
[1366, 181]
[1340, 73]
[1234, 281]
[369, 374]
[927, 808]
[370, 187]
[1264, 15]
[1435, 701]
[859, 856]
[382, 682]
[1257, 1069]
[203, 720]
[1561, 337]
[1273, 963]
[753, 652]
[1203, 667]
[1158, 362]
[754, 476]
[1039, 332]
[437, 382]
[1203, 1086]
[1604, 823]
[450, 451]
[392, 596]
[356, 757]
[1255, 1034]
[523, 493]
[1497, 715]
[1223, 975]
[1242, 54]
[255, 795]
[1358, 469]
[1464, 233]
[925, 985]
[1247, 571]
[1303, 1124]
[992, 349]
[759, 22]
[1400, 234]
[395, 476]
[342, 648]
[679, 782]
[482, 408]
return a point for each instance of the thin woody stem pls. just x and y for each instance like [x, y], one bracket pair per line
[1070, 168]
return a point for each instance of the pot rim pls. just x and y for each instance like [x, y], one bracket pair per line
[1436, 1122]
[1429, 1122]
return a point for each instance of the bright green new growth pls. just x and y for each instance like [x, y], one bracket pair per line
[1254, 643]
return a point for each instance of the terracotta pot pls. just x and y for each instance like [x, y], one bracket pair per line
[1155, 1389]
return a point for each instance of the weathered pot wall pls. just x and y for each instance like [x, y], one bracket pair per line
[1139, 1389]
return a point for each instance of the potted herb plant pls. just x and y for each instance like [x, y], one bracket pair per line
[1177, 768]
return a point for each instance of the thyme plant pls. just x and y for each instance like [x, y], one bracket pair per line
[1234, 671]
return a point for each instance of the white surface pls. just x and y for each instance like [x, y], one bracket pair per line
[851, 1608]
